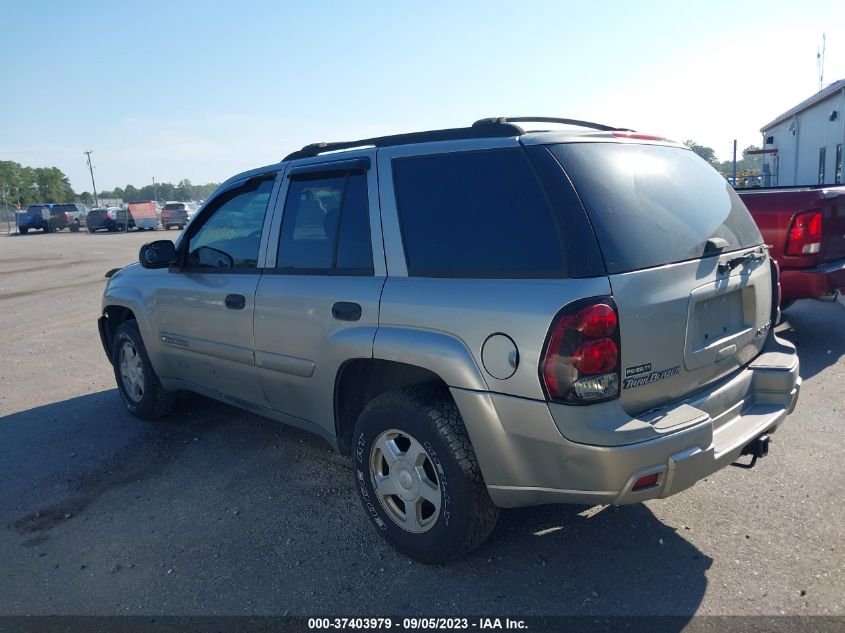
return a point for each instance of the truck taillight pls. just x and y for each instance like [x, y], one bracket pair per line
[805, 234]
[580, 362]
[67, 218]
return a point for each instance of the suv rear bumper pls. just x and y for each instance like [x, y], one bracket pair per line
[812, 283]
[526, 459]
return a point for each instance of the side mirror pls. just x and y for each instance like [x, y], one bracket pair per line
[158, 254]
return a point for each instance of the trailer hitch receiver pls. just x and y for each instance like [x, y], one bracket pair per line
[758, 447]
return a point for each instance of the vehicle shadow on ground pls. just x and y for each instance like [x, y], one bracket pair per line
[75, 469]
[807, 324]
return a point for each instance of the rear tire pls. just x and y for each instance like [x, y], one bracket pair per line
[420, 429]
[137, 381]
[74, 228]
[23, 230]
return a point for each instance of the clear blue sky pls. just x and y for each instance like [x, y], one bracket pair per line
[201, 90]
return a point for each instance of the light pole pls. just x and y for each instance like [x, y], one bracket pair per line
[735, 184]
[155, 191]
[91, 169]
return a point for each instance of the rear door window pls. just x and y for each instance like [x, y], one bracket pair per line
[476, 214]
[326, 225]
[652, 205]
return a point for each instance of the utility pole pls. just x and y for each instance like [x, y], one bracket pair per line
[91, 169]
[820, 62]
[155, 191]
[735, 183]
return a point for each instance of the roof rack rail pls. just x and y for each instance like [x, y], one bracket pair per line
[547, 119]
[493, 129]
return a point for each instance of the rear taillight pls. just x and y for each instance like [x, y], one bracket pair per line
[67, 218]
[805, 234]
[580, 363]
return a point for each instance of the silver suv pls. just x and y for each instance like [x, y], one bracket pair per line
[479, 317]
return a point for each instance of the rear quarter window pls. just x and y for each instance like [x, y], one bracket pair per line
[652, 205]
[476, 214]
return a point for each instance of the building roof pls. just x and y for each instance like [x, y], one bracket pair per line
[836, 86]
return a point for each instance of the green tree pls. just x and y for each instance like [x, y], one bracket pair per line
[53, 185]
[130, 193]
[184, 190]
[86, 198]
[706, 153]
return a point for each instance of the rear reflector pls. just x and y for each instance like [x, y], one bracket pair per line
[646, 482]
[580, 362]
[805, 234]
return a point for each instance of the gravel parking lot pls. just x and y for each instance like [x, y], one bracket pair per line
[216, 511]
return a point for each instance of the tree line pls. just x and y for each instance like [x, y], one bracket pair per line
[30, 185]
[183, 190]
[747, 163]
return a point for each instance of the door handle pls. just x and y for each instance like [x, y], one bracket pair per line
[235, 302]
[346, 311]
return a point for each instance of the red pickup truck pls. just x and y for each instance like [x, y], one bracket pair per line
[805, 227]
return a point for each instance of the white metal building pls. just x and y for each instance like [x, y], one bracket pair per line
[804, 145]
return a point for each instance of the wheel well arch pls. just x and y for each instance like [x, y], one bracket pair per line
[114, 316]
[360, 380]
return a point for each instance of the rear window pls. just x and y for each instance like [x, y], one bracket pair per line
[476, 214]
[175, 206]
[652, 205]
[65, 208]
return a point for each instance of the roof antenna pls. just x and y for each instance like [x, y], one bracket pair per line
[820, 61]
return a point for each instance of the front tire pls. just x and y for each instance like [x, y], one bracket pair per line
[418, 477]
[137, 382]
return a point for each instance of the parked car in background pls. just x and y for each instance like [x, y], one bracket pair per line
[145, 214]
[110, 219]
[76, 212]
[47, 218]
[480, 318]
[805, 227]
[176, 214]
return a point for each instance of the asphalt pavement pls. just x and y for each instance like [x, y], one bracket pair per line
[216, 511]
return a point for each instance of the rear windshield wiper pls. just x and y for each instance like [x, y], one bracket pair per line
[732, 263]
